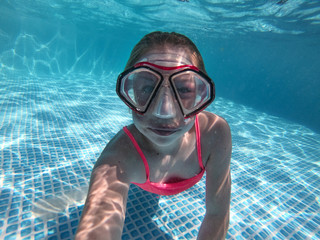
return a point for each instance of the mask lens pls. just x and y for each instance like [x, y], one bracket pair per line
[193, 91]
[138, 87]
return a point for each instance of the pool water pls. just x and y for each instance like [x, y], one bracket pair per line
[58, 110]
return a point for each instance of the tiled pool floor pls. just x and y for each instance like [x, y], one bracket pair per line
[52, 131]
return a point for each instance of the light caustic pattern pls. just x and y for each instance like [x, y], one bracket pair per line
[52, 131]
[213, 16]
[60, 38]
[61, 50]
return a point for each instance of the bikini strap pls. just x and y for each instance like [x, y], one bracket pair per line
[133, 140]
[198, 136]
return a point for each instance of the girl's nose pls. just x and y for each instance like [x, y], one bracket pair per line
[164, 106]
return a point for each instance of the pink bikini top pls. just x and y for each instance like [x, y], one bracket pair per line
[169, 188]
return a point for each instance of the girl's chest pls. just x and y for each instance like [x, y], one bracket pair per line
[172, 168]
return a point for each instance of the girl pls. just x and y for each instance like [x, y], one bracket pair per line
[167, 87]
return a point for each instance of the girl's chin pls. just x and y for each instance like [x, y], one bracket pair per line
[162, 141]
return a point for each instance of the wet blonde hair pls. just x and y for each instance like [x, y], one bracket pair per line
[165, 39]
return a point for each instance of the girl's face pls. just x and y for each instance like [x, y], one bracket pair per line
[163, 123]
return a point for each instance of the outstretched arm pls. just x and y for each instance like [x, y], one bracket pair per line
[218, 184]
[104, 211]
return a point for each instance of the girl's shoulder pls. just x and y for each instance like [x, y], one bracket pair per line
[120, 152]
[215, 134]
[211, 123]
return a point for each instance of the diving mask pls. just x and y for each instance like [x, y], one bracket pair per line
[139, 85]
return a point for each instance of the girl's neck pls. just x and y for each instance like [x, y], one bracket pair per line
[167, 149]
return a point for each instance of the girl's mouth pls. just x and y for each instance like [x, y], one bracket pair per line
[163, 131]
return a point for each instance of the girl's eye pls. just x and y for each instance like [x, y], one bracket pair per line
[184, 90]
[147, 89]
